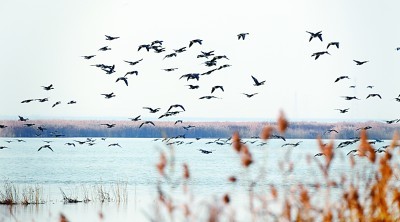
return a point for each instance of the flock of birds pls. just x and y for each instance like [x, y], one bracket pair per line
[211, 61]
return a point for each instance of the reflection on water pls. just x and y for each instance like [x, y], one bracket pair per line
[80, 171]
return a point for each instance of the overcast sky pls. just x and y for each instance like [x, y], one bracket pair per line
[42, 41]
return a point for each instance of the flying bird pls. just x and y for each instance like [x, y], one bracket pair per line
[105, 48]
[110, 37]
[188, 127]
[242, 35]
[71, 102]
[334, 44]
[343, 110]
[70, 144]
[330, 131]
[109, 96]
[152, 110]
[370, 87]
[147, 47]
[47, 88]
[146, 122]
[133, 63]
[43, 100]
[170, 69]
[108, 125]
[3, 126]
[57, 103]
[178, 121]
[29, 124]
[350, 97]
[176, 106]
[89, 56]
[196, 87]
[292, 144]
[360, 62]
[249, 95]
[256, 82]
[132, 73]
[374, 95]
[217, 87]
[199, 41]
[125, 79]
[341, 77]
[318, 54]
[205, 151]
[46, 146]
[315, 35]
[183, 49]
[22, 119]
[115, 144]
[136, 118]
[191, 76]
[27, 100]
[209, 97]
[170, 55]
[364, 128]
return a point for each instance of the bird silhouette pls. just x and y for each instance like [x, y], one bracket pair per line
[132, 73]
[152, 110]
[217, 87]
[209, 97]
[249, 95]
[183, 49]
[374, 95]
[70, 144]
[176, 106]
[370, 87]
[46, 146]
[159, 42]
[178, 121]
[109, 96]
[206, 54]
[315, 35]
[115, 144]
[3, 147]
[146, 46]
[209, 72]
[341, 77]
[47, 88]
[3, 126]
[125, 79]
[364, 128]
[292, 144]
[43, 100]
[110, 37]
[343, 110]
[334, 44]
[29, 124]
[105, 48]
[22, 119]
[41, 128]
[319, 154]
[55, 104]
[71, 102]
[108, 125]
[136, 118]
[170, 69]
[133, 63]
[242, 35]
[274, 136]
[188, 127]
[146, 122]
[89, 56]
[360, 62]
[392, 121]
[170, 55]
[27, 100]
[191, 76]
[205, 151]
[318, 54]
[199, 41]
[256, 82]
[196, 87]
[330, 131]
[350, 97]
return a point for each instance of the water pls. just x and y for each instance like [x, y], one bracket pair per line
[74, 169]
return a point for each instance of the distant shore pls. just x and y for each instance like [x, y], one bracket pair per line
[130, 129]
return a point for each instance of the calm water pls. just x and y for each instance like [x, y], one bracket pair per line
[84, 167]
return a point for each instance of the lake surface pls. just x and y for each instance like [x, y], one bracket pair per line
[82, 170]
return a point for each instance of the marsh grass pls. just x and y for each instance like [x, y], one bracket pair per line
[12, 194]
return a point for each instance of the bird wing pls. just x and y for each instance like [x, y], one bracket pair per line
[126, 81]
[320, 37]
[213, 89]
[150, 122]
[190, 43]
[255, 80]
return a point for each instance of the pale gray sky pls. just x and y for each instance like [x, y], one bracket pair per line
[42, 43]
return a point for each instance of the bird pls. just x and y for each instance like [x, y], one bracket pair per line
[46, 146]
[188, 127]
[132, 73]
[319, 154]
[178, 121]
[55, 104]
[146, 122]
[133, 63]
[364, 128]
[330, 131]
[183, 49]
[3, 147]
[108, 125]
[193, 86]
[370, 87]
[392, 121]
[47, 88]
[170, 69]
[43, 100]
[41, 128]
[206, 54]
[374, 95]
[125, 79]
[351, 151]
[242, 35]
[208, 97]
[152, 110]
[353, 86]
[146, 46]
[256, 82]
[3, 126]
[292, 144]
[89, 56]
[341, 77]
[80, 142]
[359, 62]
[350, 97]
[217, 87]
[105, 48]
[199, 41]
[70, 144]
[71, 102]
[274, 136]
[318, 54]
[110, 37]
[29, 124]
[27, 100]
[115, 144]
[209, 72]
[109, 96]
[176, 106]
[249, 95]
[334, 44]
[397, 99]
[136, 118]
[22, 119]
[205, 151]
[191, 76]
[343, 110]
[170, 55]
[315, 35]
[159, 42]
